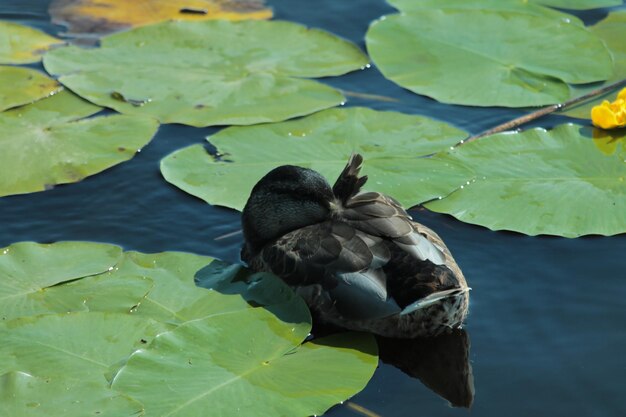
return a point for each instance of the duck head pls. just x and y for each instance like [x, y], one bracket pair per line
[287, 198]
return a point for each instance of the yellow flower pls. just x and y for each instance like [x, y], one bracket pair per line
[610, 115]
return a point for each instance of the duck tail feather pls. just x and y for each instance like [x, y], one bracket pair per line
[349, 183]
[433, 299]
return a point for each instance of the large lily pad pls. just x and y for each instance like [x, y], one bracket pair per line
[248, 361]
[100, 17]
[612, 31]
[247, 328]
[21, 44]
[24, 85]
[540, 182]
[72, 346]
[579, 4]
[524, 6]
[28, 270]
[46, 143]
[390, 142]
[226, 72]
[452, 55]
[26, 395]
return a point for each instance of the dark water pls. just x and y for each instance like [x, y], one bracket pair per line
[547, 321]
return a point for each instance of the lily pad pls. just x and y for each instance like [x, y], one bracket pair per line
[390, 142]
[612, 31]
[173, 289]
[25, 395]
[247, 328]
[553, 182]
[453, 56]
[524, 6]
[248, 361]
[28, 269]
[21, 44]
[46, 143]
[579, 4]
[24, 85]
[99, 17]
[81, 345]
[226, 72]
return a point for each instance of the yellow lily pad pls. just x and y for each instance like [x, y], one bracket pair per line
[100, 17]
[21, 86]
[21, 44]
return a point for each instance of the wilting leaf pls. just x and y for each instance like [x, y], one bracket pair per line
[21, 44]
[553, 182]
[28, 270]
[226, 72]
[248, 361]
[100, 17]
[390, 142]
[487, 57]
[612, 31]
[46, 143]
[21, 86]
[26, 395]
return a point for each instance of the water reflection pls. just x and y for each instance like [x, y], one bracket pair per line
[441, 363]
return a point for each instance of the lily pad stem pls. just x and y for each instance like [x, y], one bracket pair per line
[512, 124]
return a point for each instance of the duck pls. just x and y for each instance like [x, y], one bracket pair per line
[357, 258]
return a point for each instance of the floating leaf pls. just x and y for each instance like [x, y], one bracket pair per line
[540, 182]
[612, 31]
[523, 6]
[579, 4]
[25, 395]
[248, 361]
[172, 274]
[28, 269]
[226, 72]
[24, 85]
[246, 327]
[453, 56]
[45, 143]
[100, 17]
[21, 44]
[72, 346]
[390, 142]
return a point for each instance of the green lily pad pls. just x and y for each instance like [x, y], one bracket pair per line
[25, 395]
[579, 4]
[612, 31]
[390, 143]
[226, 72]
[29, 270]
[24, 85]
[84, 345]
[248, 361]
[46, 143]
[246, 327]
[173, 290]
[557, 182]
[453, 56]
[524, 6]
[22, 44]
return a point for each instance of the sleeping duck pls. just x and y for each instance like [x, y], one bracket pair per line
[357, 258]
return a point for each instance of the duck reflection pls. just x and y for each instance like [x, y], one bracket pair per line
[441, 363]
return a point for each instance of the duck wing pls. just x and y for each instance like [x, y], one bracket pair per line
[333, 265]
[421, 270]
